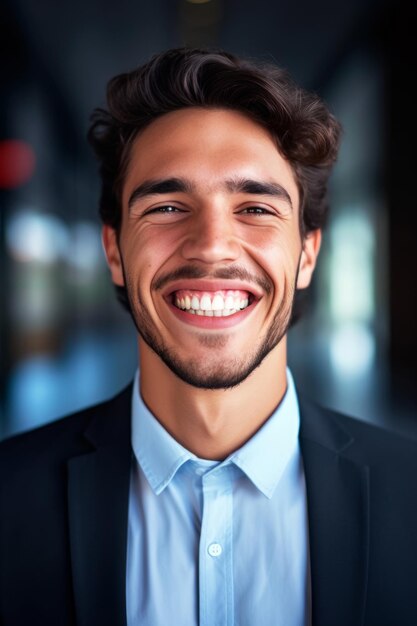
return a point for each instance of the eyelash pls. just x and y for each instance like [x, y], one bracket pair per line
[160, 209]
[251, 210]
[257, 210]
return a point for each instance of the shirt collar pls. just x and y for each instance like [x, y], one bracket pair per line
[266, 455]
[157, 452]
[263, 458]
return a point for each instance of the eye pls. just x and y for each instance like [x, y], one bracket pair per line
[166, 208]
[256, 210]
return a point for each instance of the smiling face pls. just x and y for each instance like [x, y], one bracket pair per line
[210, 249]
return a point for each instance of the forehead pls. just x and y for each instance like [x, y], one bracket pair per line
[207, 146]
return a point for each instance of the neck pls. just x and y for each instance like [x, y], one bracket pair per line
[212, 423]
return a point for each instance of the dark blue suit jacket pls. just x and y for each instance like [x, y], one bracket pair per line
[64, 505]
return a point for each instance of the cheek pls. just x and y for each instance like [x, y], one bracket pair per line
[278, 253]
[145, 252]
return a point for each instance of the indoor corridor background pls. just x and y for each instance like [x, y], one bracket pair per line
[64, 340]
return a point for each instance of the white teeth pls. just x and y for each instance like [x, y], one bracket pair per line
[229, 303]
[217, 304]
[205, 303]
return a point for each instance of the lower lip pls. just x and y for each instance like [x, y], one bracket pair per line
[213, 323]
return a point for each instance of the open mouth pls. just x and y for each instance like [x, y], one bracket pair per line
[221, 303]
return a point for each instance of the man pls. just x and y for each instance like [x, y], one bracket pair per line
[210, 492]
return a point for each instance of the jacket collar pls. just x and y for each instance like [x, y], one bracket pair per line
[98, 493]
[338, 511]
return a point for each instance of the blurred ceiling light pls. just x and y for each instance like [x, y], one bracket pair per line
[36, 237]
[17, 163]
[85, 253]
[352, 350]
[351, 267]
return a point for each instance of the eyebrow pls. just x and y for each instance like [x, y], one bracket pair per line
[155, 187]
[234, 185]
[258, 188]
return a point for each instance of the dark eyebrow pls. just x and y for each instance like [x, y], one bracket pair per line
[154, 187]
[259, 188]
[234, 185]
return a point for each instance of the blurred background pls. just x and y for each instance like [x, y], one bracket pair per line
[64, 340]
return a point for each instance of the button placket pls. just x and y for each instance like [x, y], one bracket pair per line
[216, 572]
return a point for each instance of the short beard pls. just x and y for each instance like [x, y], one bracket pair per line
[224, 376]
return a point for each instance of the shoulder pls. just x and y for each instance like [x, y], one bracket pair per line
[62, 438]
[335, 447]
[358, 440]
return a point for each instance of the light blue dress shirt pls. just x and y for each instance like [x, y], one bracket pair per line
[218, 543]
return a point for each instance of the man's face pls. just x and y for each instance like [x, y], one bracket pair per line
[210, 249]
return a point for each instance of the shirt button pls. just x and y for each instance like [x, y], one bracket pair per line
[215, 549]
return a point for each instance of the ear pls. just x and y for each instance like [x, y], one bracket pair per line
[309, 254]
[111, 248]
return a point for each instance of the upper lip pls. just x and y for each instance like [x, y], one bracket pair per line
[194, 284]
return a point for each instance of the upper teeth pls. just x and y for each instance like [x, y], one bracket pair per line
[212, 304]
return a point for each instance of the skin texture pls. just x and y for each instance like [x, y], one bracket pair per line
[212, 385]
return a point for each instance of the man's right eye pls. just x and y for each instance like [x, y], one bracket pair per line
[166, 208]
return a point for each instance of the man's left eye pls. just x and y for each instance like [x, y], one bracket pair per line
[256, 210]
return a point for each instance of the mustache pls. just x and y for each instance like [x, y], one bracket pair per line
[226, 273]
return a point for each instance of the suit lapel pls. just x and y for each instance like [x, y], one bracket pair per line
[98, 492]
[338, 502]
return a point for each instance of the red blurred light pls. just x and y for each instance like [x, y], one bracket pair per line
[17, 163]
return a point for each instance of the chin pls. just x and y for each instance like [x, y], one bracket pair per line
[214, 375]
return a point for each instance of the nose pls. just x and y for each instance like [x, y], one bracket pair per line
[211, 239]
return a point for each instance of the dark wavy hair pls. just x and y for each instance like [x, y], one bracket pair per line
[305, 131]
